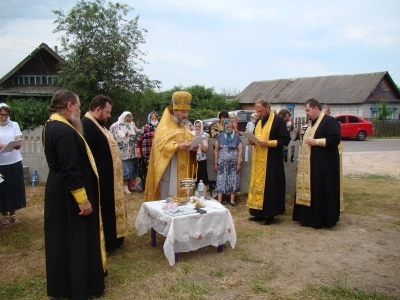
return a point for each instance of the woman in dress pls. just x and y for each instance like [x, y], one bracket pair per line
[12, 189]
[228, 161]
[124, 132]
[201, 156]
[144, 141]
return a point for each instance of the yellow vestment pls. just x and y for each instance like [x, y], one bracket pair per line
[258, 178]
[303, 178]
[167, 137]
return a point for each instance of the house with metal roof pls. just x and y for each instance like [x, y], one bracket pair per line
[34, 76]
[357, 94]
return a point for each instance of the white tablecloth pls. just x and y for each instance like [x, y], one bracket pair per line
[188, 232]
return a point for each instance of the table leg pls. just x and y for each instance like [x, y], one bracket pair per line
[220, 248]
[153, 237]
[176, 257]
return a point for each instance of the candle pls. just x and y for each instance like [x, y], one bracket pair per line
[187, 171]
[192, 170]
[197, 167]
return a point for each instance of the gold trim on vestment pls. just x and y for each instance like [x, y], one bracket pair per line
[303, 178]
[119, 204]
[259, 166]
[80, 196]
[60, 118]
[166, 139]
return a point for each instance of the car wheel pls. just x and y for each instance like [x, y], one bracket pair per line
[361, 136]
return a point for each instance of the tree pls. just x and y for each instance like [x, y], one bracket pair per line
[383, 110]
[101, 50]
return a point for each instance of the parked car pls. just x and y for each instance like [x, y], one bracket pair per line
[354, 127]
[244, 116]
[351, 126]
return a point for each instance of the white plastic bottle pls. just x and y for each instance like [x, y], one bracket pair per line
[200, 187]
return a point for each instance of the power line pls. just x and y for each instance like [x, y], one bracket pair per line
[17, 42]
[14, 51]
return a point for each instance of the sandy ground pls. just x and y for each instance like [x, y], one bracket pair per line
[361, 252]
[382, 163]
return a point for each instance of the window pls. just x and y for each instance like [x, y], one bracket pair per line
[353, 119]
[50, 79]
[44, 80]
[31, 80]
[341, 119]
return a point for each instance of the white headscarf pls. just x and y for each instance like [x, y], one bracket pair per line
[201, 128]
[121, 118]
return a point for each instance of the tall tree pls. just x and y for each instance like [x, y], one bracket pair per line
[101, 49]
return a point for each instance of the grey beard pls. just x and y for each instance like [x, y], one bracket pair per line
[182, 122]
[77, 124]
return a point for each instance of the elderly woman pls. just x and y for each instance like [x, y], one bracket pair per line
[201, 157]
[218, 127]
[228, 161]
[12, 190]
[144, 141]
[234, 119]
[124, 132]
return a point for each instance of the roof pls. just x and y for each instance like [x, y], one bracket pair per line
[337, 89]
[29, 57]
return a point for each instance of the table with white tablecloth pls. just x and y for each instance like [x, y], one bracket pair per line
[188, 232]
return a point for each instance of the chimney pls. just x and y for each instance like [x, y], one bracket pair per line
[56, 49]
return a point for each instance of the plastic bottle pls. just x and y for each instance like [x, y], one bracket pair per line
[34, 179]
[200, 187]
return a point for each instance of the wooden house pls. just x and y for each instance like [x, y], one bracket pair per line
[357, 94]
[35, 76]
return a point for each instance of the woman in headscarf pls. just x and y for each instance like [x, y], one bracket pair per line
[144, 141]
[228, 161]
[201, 156]
[12, 189]
[124, 132]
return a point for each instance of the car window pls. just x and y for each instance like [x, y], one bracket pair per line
[242, 117]
[353, 119]
[341, 119]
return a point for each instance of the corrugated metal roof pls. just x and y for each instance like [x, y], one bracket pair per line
[336, 89]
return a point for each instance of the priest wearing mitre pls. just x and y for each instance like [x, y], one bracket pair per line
[171, 158]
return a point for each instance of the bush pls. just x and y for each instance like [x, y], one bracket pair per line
[29, 113]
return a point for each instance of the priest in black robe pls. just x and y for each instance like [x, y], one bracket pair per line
[108, 160]
[76, 260]
[266, 198]
[318, 172]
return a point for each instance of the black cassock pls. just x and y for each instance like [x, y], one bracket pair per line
[100, 148]
[325, 179]
[275, 183]
[72, 242]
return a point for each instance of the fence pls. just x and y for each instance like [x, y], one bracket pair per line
[386, 128]
[34, 158]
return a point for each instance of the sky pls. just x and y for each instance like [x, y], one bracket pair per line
[227, 44]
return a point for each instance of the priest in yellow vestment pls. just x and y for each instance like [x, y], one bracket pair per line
[171, 158]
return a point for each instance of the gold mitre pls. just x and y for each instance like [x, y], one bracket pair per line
[181, 100]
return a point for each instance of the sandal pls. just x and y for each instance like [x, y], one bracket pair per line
[5, 220]
[14, 219]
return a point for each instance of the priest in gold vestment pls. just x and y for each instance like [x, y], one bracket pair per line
[267, 188]
[171, 158]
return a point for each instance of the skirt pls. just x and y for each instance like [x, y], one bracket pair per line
[129, 168]
[202, 172]
[12, 189]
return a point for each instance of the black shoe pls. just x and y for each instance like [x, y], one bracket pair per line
[292, 159]
[267, 221]
[97, 295]
[255, 219]
[233, 204]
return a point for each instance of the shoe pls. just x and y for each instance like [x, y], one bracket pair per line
[267, 221]
[255, 219]
[126, 190]
[5, 220]
[232, 204]
[14, 219]
[292, 159]
[97, 295]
